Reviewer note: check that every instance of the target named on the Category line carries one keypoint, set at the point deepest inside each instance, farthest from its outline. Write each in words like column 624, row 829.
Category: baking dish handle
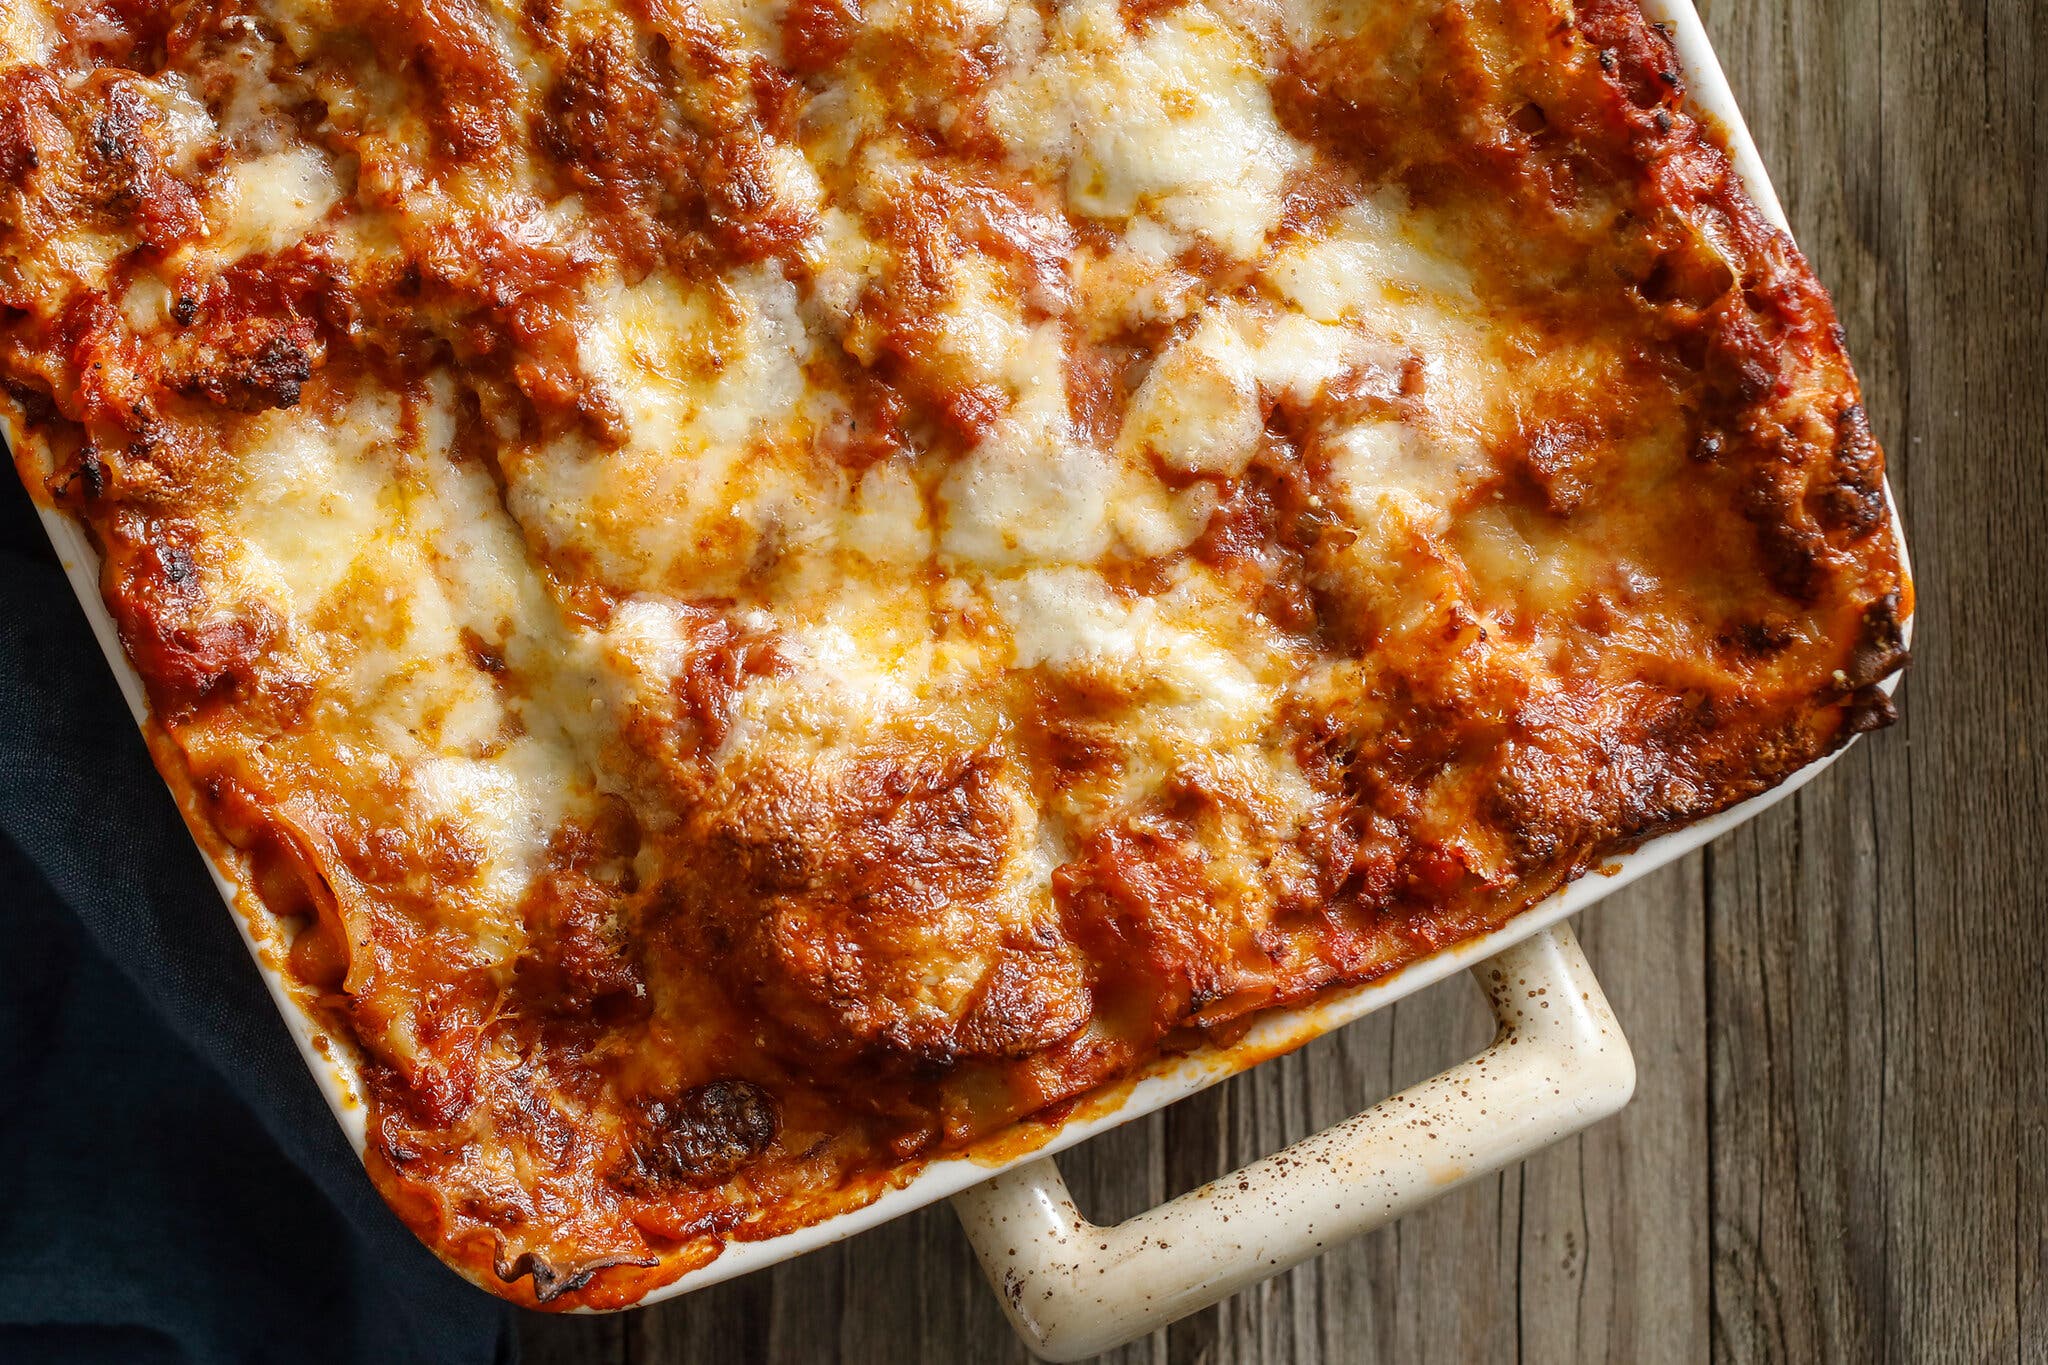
column 1558, row 1064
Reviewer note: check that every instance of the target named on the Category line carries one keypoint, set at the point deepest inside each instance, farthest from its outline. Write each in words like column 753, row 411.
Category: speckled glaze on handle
column 1558, row 1064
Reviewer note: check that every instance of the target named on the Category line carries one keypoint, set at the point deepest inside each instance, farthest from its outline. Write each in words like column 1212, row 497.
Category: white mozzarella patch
column 1379, row 466
column 981, row 13
column 850, row 672
column 1377, row 256
column 843, row 260
column 1508, row 556
column 1136, row 279
column 146, row 303
column 1060, row 616
column 648, row 637
column 508, row 804
column 387, row 559
column 709, row 382
column 636, row 661
column 887, row 523
column 274, row 201
column 1029, row 492
column 983, row 338
column 1384, row 271
column 1198, row 409
column 1068, row 619
column 796, row 183
column 683, row 360
column 1176, row 122
column 187, row 131
column 858, row 662
column 1295, row 357
column 315, row 497
column 1201, row 411
column 1153, row 520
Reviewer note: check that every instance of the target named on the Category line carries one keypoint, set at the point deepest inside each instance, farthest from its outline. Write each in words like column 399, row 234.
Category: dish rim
column 330, row 1057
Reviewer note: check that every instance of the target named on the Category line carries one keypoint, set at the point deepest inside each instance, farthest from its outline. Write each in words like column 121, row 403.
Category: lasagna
column 756, row 591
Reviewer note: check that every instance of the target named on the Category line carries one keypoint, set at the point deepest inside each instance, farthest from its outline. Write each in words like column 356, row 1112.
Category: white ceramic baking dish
column 1559, row 1062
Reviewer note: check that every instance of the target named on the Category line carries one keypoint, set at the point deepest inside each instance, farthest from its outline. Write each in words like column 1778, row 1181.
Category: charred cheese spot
column 704, row 1136
column 909, row 925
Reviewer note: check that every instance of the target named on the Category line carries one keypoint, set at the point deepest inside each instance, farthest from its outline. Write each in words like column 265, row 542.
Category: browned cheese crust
column 762, row 591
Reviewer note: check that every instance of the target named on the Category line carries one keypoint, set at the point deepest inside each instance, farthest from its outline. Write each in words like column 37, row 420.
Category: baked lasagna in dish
column 756, row 591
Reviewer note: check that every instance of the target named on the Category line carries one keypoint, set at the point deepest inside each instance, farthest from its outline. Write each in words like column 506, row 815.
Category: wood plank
column 1614, row 1224
column 1877, row 1123
column 545, row 1339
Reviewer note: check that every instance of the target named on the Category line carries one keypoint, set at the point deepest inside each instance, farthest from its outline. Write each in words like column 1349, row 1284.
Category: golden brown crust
column 759, row 607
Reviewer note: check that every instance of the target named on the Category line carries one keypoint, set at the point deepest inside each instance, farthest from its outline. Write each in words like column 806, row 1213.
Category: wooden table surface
column 1839, row 1146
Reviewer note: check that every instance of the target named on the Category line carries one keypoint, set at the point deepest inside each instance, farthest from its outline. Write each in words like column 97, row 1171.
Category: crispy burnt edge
column 1641, row 65
column 274, row 910
column 1776, row 302
column 270, row 932
column 1685, row 154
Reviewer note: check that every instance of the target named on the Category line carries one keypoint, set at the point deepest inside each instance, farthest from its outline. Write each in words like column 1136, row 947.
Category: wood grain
column 1876, row 1029
column 1838, row 1147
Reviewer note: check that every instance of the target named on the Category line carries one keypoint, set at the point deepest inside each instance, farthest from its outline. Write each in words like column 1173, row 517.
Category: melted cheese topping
column 763, row 589
column 1172, row 121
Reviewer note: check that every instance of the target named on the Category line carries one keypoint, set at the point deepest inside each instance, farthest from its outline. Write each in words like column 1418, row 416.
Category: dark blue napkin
column 172, row 1186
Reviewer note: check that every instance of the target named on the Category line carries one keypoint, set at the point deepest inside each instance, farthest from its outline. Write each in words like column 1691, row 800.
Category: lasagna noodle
column 761, row 591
